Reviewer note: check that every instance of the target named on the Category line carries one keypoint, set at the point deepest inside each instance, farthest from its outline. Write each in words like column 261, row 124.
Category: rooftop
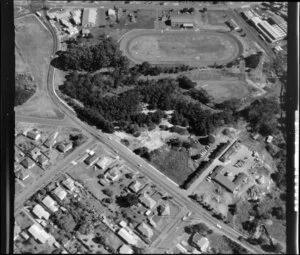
column 145, row 230
column 50, row 204
column 40, row 212
column 60, row 193
column 38, row 233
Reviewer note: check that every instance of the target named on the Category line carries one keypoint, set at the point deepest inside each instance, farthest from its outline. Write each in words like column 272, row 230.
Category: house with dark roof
column 164, row 209
column 51, row 141
column 27, row 163
column 23, row 174
column 135, row 186
column 34, row 135
column 240, row 178
column 92, row 159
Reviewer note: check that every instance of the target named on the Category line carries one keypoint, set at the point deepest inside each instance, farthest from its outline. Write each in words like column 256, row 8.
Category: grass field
column 173, row 163
column 35, row 44
column 224, row 90
column 200, row 48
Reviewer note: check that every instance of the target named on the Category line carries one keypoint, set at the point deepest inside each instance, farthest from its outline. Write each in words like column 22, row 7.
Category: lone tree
column 127, row 201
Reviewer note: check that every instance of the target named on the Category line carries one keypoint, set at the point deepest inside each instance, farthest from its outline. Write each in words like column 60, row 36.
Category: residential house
column 147, row 201
column 181, row 249
column 92, row 159
column 27, row 163
column 200, row 242
column 51, row 141
column 24, row 235
column 39, row 233
column 104, row 162
column 42, row 159
column 125, row 249
column 34, row 153
column 128, row 237
column 269, row 139
column 18, row 154
column 17, row 231
column 69, row 184
column 23, row 174
column 60, row 193
column 156, row 221
column 34, row 135
column 40, row 212
column 145, row 230
column 135, row 186
column 240, row 178
column 112, row 174
column 164, row 209
column 50, row 204
column 65, row 147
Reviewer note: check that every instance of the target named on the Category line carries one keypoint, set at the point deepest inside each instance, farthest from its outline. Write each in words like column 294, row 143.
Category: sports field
column 197, row 48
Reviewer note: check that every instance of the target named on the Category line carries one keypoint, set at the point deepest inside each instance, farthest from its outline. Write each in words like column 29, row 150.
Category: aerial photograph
column 150, row 127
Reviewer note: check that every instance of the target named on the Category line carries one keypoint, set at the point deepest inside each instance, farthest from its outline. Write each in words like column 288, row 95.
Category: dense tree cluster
column 219, row 150
column 200, row 228
column 194, row 175
column 128, row 200
column 24, row 88
column 200, row 95
column 147, row 69
column 253, row 60
column 261, row 115
column 105, row 53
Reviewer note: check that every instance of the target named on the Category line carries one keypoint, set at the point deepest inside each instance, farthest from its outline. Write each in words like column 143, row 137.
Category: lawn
column 218, row 242
column 185, row 47
column 216, row 17
column 224, row 90
column 173, row 163
column 35, row 45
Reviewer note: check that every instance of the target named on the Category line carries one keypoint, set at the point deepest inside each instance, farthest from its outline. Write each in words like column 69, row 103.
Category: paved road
column 44, row 121
column 131, row 159
column 61, row 168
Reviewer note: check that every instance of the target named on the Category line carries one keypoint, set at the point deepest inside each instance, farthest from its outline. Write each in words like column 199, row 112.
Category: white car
column 219, row 226
column 109, row 138
column 139, row 165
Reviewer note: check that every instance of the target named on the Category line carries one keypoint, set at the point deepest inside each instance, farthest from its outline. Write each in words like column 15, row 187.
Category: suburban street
column 131, row 159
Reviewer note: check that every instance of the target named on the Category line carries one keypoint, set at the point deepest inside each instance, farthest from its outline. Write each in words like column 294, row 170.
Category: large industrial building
column 89, row 17
column 272, row 32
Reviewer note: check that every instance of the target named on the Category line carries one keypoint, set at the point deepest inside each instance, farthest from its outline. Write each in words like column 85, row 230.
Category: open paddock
column 224, row 90
column 35, row 44
column 195, row 48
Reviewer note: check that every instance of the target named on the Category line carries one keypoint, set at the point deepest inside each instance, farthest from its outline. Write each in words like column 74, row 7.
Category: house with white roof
column 69, row 184
column 50, row 204
column 147, row 201
column 40, row 212
column 129, row 238
column 39, row 233
column 60, row 193
column 125, row 249
column 135, row 186
column 145, row 230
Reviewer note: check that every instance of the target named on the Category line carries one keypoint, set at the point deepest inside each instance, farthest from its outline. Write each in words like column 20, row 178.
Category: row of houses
column 273, row 30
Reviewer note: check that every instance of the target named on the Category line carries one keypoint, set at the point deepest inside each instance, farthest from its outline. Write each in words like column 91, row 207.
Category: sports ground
column 196, row 48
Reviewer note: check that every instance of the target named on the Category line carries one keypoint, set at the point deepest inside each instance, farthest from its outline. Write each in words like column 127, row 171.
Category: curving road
column 133, row 160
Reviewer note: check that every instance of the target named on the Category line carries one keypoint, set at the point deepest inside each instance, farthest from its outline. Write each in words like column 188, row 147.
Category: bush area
column 147, row 69
column 24, row 88
column 253, row 60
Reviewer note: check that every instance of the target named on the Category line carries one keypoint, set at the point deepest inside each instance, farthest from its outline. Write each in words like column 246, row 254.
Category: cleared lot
column 35, row 46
